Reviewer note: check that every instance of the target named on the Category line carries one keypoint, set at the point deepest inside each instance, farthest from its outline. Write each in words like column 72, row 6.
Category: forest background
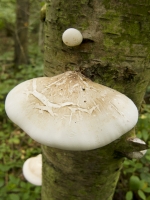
column 15, row 145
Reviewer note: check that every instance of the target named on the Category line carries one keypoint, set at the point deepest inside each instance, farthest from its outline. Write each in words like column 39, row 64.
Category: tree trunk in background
column 115, row 52
column 21, row 33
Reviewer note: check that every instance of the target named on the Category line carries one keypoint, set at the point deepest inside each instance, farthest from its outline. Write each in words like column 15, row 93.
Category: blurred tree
column 43, row 13
column 115, row 52
column 21, row 32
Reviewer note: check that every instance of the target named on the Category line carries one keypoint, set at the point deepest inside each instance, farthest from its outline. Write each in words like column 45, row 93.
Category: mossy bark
column 115, row 52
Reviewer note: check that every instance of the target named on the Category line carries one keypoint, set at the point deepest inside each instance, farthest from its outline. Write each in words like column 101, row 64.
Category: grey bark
column 115, row 52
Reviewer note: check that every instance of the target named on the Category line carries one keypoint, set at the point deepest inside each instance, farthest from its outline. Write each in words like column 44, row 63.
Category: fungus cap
column 32, row 170
column 72, row 37
column 137, row 154
column 70, row 112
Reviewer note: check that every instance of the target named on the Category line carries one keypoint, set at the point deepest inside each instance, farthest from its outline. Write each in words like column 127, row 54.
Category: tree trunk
column 21, row 33
column 114, row 52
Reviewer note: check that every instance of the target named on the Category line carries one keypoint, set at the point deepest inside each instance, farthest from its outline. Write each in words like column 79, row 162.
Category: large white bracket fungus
column 32, row 170
column 72, row 37
column 70, row 112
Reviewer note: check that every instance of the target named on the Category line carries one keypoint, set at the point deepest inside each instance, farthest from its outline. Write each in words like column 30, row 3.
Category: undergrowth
column 134, row 182
column 16, row 146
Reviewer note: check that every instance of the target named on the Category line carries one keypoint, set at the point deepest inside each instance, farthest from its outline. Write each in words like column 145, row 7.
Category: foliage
column 7, row 12
column 15, row 145
column 134, row 182
column 8, row 15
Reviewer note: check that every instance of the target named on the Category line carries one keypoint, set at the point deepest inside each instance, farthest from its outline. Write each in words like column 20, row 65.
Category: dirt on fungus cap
column 70, row 112
column 32, row 170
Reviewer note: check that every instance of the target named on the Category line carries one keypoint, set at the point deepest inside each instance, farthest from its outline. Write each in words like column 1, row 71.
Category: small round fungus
column 70, row 112
column 32, row 170
column 72, row 37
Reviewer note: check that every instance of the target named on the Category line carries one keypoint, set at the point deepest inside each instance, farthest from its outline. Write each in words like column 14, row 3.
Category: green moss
column 85, row 25
column 108, row 43
column 84, row 1
column 122, row 32
column 70, row 14
column 144, row 2
column 111, row 14
column 132, row 29
column 113, row 25
column 129, row 24
column 124, row 44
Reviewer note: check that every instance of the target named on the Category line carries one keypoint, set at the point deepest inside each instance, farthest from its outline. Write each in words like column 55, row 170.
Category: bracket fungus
column 70, row 112
column 137, row 154
column 72, row 37
column 32, row 170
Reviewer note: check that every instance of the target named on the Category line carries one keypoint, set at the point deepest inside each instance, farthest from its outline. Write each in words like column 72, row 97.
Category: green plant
column 7, row 14
column 134, row 181
column 15, row 145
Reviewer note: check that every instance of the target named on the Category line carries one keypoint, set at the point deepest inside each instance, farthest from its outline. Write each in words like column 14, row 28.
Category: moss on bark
column 114, row 52
column 80, row 175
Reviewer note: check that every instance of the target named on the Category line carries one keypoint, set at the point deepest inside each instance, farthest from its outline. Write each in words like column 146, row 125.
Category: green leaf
column 138, row 165
column 141, row 194
column 14, row 179
column 129, row 162
column 14, row 197
column 145, row 176
column 14, row 140
column 147, row 190
column 144, row 170
column 145, row 135
column 143, row 185
column 134, row 183
column 4, row 168
column 1, row 182
column 26, row 196
column 129, row 195
column 23, row 184
column 129, row 170
column 147, row 157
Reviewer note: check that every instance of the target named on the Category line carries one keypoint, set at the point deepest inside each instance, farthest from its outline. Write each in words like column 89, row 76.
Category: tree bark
column 115, row 52
column 21, row 33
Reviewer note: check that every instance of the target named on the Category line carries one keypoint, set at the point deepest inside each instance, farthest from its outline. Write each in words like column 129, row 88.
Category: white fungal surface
column 140, row 154
column 32, row 170
column 72, row 37
column 70, row 112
